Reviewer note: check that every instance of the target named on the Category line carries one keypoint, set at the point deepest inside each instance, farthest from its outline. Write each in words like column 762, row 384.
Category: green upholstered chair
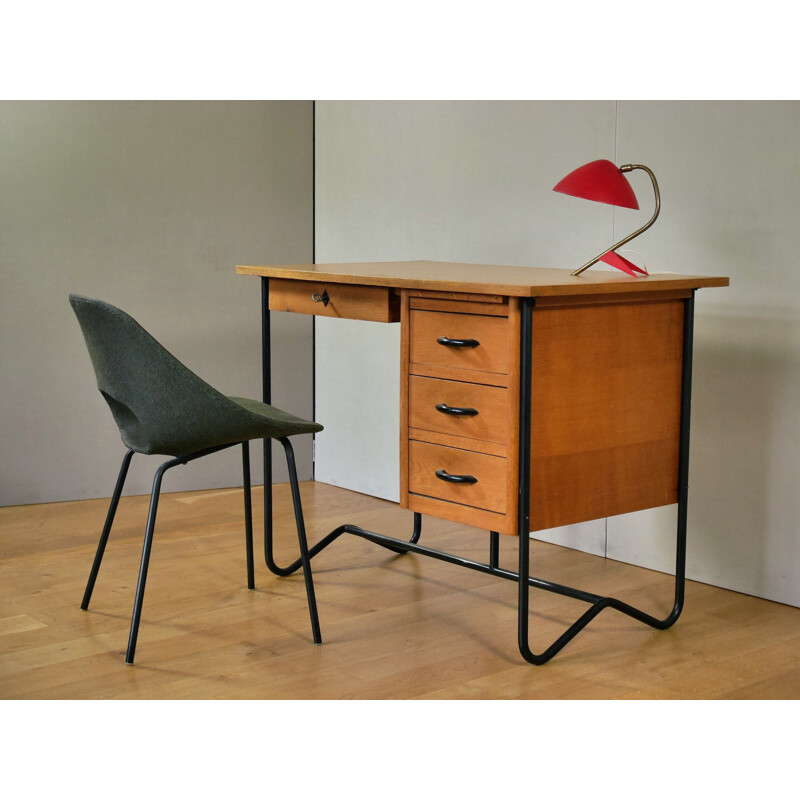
column 162, row 407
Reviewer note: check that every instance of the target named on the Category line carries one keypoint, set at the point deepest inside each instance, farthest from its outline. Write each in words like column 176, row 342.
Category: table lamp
column 604, row 182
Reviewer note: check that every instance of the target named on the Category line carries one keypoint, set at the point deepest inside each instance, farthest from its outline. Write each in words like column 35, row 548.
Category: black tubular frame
column 523, row 577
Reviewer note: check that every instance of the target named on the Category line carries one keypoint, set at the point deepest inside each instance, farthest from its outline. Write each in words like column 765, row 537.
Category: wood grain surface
column 605, row 414
column 492, row 279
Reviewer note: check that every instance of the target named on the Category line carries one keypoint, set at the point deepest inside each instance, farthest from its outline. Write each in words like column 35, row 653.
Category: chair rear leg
column 101, row 547
column 248, row 515
column 301, row 535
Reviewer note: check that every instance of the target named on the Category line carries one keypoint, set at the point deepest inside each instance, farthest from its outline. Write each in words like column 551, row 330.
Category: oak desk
column 530, row 399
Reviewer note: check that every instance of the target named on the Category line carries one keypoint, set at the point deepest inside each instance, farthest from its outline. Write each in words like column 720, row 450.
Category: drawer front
column 488, row 491
column 448, row 340
column 347, row 301
column 448, row 406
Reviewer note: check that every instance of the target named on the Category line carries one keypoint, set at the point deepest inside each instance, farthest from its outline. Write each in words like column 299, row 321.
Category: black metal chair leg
column 301, row 535
column 101, row 547
column 148, row 543
column 148, row 540
column 248, row 515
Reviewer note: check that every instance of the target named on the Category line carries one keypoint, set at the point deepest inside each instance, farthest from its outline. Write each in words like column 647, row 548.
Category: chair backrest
column 159, row 405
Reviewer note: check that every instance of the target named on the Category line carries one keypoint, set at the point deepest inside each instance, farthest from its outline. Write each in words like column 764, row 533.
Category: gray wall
column 730, row 177
column 149, row 205
column 471, row 181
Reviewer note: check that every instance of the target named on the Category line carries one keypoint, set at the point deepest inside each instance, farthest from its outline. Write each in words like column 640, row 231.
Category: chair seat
column 231, row 420
column 274, row 423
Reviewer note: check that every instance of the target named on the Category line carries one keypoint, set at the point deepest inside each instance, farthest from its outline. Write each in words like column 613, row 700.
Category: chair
column 160, row 406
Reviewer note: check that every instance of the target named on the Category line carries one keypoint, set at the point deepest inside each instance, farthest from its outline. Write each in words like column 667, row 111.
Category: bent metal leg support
column 266, row 396
column 598, row 603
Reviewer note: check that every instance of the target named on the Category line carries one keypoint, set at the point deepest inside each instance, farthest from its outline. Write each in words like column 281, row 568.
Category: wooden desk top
column 445, row 276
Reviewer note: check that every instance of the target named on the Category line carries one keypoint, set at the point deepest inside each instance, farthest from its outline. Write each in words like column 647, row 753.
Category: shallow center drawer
column 461, row 341
column 462, row 409
column 487, row 490
column 343, row 300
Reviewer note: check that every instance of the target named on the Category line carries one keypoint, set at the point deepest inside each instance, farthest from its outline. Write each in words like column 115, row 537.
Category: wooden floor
column 393, row 626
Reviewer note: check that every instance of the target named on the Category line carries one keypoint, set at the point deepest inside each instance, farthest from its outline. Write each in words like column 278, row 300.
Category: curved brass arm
column 629, row 168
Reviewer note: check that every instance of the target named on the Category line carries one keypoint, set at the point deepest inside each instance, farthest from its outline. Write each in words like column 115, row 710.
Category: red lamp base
column 619, row 262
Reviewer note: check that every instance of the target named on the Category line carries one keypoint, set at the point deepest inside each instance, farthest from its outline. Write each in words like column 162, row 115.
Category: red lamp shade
column 601, row 181
column 606, row 183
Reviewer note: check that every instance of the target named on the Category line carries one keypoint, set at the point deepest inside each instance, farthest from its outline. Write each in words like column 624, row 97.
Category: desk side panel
column 605, row 416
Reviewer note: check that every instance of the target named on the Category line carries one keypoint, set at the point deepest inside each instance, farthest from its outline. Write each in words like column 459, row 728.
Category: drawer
column 448, row 406
column 459, row 341
column 347, row 301
column 488, row 491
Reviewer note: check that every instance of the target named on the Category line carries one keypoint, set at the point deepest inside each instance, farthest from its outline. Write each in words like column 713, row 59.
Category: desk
column 530, row 399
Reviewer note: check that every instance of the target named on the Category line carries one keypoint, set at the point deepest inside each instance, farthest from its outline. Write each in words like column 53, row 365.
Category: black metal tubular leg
column 248, row 515
column 601, row 603
column 148, row 544
column 301, row 535
column 417, row 528
column 494, row 549
column 683, row 459
column 148, row 541
column 524, row 497
column 524, row 520
column 266, row 397
column 101, row 546
column 524, row 517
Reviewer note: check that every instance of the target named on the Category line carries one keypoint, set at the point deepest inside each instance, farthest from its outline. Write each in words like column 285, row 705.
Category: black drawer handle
column 323, row 298
column 442, row 475
column 456, row 411
column 448, row 342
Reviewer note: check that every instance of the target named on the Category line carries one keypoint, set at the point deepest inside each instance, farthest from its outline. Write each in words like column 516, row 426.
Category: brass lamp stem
column 629, row 168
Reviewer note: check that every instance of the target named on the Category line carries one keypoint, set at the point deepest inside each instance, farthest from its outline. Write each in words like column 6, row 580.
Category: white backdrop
column 471, row 181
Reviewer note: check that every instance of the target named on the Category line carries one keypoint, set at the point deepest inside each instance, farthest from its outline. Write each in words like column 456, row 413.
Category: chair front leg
column 301, row 535
column 101, row 547
column 148, row 540
column 148, row 544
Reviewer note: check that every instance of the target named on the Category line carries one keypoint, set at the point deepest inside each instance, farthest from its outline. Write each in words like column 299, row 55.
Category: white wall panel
column 730, row 180
column 471, row 182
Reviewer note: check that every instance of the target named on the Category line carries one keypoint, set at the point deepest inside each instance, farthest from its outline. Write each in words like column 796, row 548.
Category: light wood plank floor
column 393, row 626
